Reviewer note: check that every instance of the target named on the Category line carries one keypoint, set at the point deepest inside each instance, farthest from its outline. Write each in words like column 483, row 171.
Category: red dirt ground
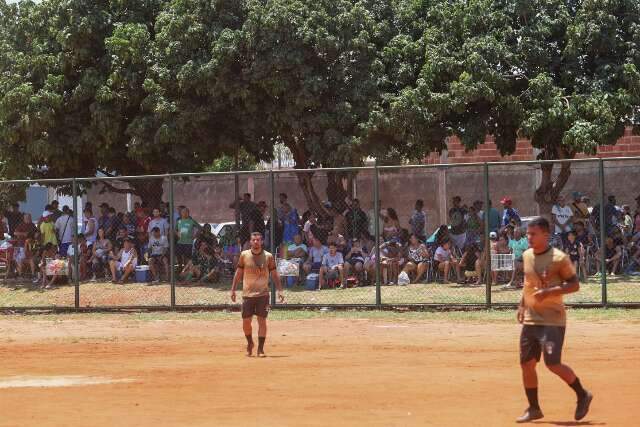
column 320, row 373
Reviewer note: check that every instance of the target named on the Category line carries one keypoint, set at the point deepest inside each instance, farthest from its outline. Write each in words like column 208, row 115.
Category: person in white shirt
column 562, row 218
column 332, row 266
column 158, row 248
column 89, row 227
column 125, row 262
column 64, row 230
column 157, row 221
column 446, row 260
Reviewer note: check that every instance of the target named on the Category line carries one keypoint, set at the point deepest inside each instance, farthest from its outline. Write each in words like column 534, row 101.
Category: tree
column 562, row 73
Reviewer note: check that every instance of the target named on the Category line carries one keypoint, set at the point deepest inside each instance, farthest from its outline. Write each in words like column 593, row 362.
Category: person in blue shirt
column 510, row 215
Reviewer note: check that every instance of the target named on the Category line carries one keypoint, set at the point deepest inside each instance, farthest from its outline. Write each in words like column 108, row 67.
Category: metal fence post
column 172, row 243
column 603, row 236
column 376, row 231
column 272, row 230
column 487, row 243
column 76, row 260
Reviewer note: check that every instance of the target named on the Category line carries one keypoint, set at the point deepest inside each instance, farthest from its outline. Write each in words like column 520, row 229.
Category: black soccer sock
column 249, row 339
column 532, row 396
column 577, row 387
column 261, row 343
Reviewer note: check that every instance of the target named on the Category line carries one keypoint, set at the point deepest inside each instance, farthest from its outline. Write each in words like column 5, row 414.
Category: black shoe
column 250, row 349
column 531, row 414
column 582, row 409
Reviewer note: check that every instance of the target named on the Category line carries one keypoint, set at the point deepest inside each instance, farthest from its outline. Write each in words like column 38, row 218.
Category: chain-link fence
column 371, row 236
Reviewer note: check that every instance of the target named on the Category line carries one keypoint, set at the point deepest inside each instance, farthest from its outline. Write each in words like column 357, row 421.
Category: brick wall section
column 627, row 146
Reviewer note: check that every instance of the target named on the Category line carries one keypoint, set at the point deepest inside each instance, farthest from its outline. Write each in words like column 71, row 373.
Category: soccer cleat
column 531, row 414
column 250, row 349
column 582, row 408
column 261, row 353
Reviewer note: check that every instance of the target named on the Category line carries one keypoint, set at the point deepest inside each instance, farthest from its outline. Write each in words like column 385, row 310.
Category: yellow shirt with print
column 546, row 270
column 255, row 279
column 48, row 231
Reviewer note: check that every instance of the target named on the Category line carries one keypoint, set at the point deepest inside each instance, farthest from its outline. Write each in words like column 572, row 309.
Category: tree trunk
column 549, row 189
column 150, row 191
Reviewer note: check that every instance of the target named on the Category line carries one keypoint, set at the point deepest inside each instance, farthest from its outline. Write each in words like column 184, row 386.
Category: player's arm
column 275, row 276
column 570, row 283
column 237, row 277
column 520, row 315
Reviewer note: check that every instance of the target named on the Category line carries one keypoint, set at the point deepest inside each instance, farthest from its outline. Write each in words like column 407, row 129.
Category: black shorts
column 184, row 250
column 258, row 306
column 534, row 339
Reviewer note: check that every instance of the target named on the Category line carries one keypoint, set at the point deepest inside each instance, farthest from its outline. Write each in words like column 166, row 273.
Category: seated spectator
column 158, row 254
column 502, row 246
column 474, row 223
column 119, row 240
column 128, row 224
column 204, row 235
column 390, row 261
column 445, row 260
column 417, row 258
column 99, row 259
column 202, row 266
column 355, row 259
column 83, row 259
column 442, row 235
column 518, row 244
column 471, row 264
column 332, row 267
column 288, row 218
column 49, row 253
column 297, row 250
column 142, row 244
column 612, row 254
column 458, row 231
column 89, row 226
column 311, row 222
column 390, row 225
column 572, row 248
column 314, row 260
column 580, row 209
column 125, row 262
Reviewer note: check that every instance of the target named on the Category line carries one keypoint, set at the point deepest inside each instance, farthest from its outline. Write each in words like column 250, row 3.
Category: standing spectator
column 510, row 215
column 371, row 214
column 245, row 208
column 64, row 230
column 158, row 250
column 288, row 217
column 357, row 220
column 458, row 232
column 610, row 214
column 48, row 230
column 128, row 224
column 185, row 232
column 25, row 232
column 339, row 224
column 332, row 267
column 418, row 221
column 89, row 226
column 390, row 225
column 124, row 263
column 636, row 221
column 474, row 223
column 55, row 211
column 562, row 218
column 493, row 218
column 518, row 245
column 83, row 259
column 627, row 221
column 142, row 220
column 103, row 219
column 580, row 209
column 14, row 218
column 160, row 222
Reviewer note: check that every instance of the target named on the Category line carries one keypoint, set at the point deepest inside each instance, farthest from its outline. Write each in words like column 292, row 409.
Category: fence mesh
column 143, row 241
column 622, row 225
column 37, row 228
column 117, row 243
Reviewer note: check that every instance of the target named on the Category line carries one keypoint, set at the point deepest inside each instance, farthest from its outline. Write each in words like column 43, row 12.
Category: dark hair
column 392, row 213
column 247, row 194
column 154, row 229
column 283, row 194
column 419, row 202
column 539, row 222
column 47, row 207
column 256, row 233
column 334, row 244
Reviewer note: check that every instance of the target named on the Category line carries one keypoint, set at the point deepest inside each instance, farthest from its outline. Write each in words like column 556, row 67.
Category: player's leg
column 529, row 356
column 262, row 311
column 248, row 309
column 552, row 344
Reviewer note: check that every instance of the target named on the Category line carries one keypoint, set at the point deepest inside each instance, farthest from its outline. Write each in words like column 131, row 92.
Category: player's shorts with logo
column 542, row 339
column 258, row 306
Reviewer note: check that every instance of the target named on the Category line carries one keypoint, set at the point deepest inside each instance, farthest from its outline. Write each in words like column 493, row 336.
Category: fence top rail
column 311, row 170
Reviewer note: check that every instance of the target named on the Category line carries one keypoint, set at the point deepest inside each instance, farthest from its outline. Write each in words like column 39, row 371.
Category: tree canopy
column 155, row 86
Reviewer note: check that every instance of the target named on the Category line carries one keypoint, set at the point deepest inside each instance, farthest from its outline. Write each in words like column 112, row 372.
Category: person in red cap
column 510, row 215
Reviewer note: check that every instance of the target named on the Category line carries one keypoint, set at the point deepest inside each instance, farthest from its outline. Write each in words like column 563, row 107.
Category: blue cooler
column 143, row 274
column 291, row 281
column 311, row 282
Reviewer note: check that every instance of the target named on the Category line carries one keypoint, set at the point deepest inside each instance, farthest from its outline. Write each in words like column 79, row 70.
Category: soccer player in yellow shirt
column 255, row 266
column 548, row 275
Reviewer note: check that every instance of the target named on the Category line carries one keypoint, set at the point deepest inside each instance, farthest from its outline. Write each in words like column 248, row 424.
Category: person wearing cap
column 48, row 230
column 510, row 215
column 125, row 262
column 579, row 208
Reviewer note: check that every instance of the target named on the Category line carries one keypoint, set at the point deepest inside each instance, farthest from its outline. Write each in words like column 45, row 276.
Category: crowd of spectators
column 336, row 241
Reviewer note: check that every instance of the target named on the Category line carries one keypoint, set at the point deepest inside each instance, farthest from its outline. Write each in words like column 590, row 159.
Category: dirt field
column 177, row 370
